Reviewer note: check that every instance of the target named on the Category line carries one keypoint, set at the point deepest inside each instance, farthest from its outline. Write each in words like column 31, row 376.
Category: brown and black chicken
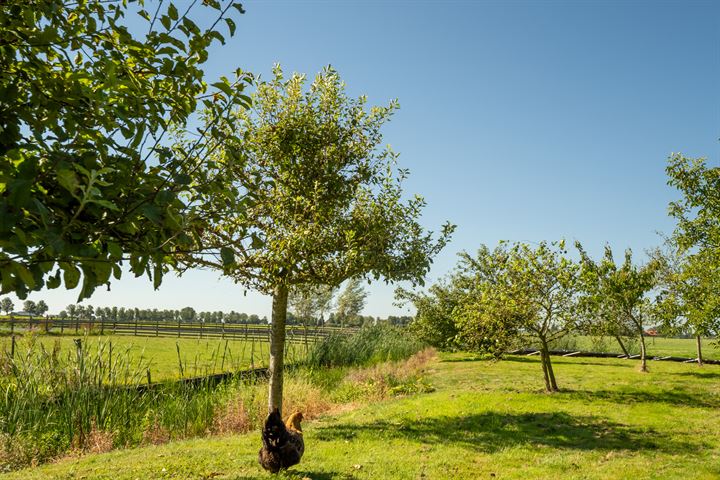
column 283, row 444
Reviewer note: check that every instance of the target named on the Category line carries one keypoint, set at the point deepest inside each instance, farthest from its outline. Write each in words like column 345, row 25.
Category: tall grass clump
column 370, row 345
column 89, row 400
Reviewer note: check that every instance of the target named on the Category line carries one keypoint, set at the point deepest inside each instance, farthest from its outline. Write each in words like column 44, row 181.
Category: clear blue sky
column 519, row 120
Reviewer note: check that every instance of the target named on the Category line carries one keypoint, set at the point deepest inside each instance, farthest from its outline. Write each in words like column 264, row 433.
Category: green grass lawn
column 484, row 420
column 199, row 356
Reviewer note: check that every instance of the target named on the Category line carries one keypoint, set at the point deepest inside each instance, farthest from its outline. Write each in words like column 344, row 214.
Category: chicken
column 283, row 444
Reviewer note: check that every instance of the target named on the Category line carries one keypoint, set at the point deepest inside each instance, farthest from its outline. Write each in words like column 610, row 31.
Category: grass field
column 160, row 355
column 656, row 346
column 484, row 420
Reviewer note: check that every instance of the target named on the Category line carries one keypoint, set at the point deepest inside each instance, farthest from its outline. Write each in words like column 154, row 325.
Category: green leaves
column 84, row 100
column 314, row 198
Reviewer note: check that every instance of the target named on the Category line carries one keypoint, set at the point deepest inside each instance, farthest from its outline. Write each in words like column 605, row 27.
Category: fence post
column 157, row 327
column 136, row 325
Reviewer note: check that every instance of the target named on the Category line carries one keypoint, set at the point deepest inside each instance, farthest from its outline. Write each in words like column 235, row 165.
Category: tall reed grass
column 370, row 345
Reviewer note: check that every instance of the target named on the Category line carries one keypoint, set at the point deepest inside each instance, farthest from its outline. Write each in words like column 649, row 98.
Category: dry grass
column 155, row 434
column 246, row 409
column 233, row 417
column 98, row 441
column 392, row 378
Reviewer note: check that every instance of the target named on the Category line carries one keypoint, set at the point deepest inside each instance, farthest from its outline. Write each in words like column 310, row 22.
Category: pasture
column 166, row 358
column 483, row 420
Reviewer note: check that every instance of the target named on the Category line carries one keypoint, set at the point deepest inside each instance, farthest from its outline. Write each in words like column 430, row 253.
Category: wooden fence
column 164, row 328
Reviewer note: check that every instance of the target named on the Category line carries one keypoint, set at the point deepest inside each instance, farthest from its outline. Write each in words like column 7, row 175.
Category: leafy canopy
column 322, row 201
column 85, row 181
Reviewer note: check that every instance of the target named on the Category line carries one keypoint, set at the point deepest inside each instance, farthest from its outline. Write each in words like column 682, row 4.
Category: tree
column 309, row 303
column 620, row 294
column 351, row 302
column 433, row 322
column 7, row 305
column 29, row 306
column 518, row 291
column 86, row 105
column 690, row 293
column 322, row 202
column 187, row 314
column 41, row 308
column 698, row 212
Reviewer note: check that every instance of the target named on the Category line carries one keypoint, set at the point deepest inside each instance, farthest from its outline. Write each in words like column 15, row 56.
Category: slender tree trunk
column 698, row 341
column 543, row 362
column 550, row 382
column 622, row 346
column 277, row 347
column 643, row 356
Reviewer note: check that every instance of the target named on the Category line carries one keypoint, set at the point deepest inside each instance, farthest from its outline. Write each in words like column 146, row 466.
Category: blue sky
column 523, row 121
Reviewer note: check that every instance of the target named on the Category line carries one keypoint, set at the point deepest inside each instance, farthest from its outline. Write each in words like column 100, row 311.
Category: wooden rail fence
column 163, row 328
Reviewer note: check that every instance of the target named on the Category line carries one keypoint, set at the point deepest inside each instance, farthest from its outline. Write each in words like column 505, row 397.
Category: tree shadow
column 624, row 397
column 297, row 475
column 565, row 360
column 494, row 431
column 699, row 374
column 466, row 359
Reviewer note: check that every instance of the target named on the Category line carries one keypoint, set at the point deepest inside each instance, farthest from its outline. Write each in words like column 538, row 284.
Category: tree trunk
column 698, row 341
column 622, row 345
column 643, row 356
column 277, row 347
column 543, row 362
column 550, row 382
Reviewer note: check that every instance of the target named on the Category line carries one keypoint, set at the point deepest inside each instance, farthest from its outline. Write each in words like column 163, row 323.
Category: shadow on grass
column 631, row 363
column 494, row 431
column 624, row 397
column 295, row 475
column 467, row 359
column 703, row 374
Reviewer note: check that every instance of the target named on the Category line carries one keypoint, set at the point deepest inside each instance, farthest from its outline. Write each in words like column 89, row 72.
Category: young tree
column 323, row 203
column 690, row 293
column 7, row 305
column 517, row 290
column 87, row 99
column 351, row 301
column 620, row 294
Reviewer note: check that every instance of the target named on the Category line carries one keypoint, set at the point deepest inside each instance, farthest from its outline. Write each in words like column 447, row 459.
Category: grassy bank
column 85, row 398
column 483, row 420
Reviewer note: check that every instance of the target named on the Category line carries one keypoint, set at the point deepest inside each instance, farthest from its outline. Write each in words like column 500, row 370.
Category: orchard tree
column 621, row 294
column 322, row 202
column 351, row 301
column 85, row 179
column 519, row 291
column 434, row 322
column 698, row 211
column 7, row 305
column 690, row 293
